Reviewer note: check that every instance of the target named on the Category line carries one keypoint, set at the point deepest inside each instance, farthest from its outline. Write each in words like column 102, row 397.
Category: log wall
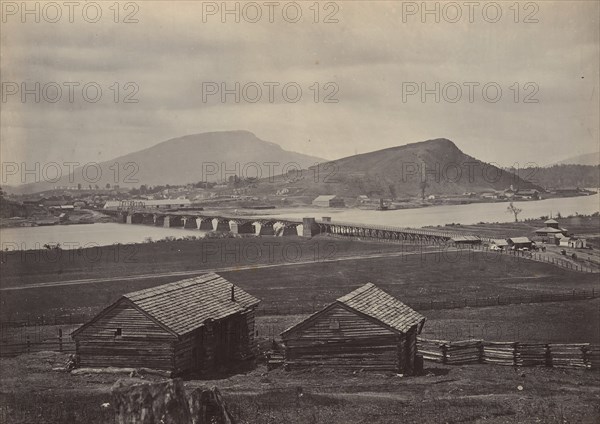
column 339, row 338
column 142, row 342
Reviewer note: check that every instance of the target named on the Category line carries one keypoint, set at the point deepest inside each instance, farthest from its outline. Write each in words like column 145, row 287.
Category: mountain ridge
column 187, row 159
column 216, row 156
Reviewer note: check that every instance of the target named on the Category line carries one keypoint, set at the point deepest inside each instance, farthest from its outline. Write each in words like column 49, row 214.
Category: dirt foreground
column 32, row 392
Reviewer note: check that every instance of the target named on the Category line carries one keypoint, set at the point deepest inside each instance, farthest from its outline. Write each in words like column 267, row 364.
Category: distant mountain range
column 400, row 171
column 211, row 157
column 216, row 156
column 592, row 159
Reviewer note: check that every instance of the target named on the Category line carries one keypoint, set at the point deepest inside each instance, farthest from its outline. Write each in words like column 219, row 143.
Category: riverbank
column 80, row 216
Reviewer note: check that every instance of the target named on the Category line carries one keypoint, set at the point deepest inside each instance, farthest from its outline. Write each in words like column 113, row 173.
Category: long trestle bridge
column 262, row 225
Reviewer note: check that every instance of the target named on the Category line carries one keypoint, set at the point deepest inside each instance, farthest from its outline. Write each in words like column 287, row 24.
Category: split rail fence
column 572, row 355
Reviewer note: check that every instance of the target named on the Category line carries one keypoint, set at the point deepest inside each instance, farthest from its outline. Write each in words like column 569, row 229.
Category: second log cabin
column 365, row 329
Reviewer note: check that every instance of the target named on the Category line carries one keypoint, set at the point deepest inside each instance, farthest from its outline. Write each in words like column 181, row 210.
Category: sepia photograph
column 299, row 212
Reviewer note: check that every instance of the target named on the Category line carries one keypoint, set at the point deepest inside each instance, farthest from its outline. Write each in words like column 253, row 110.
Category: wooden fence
column 573, row 265
column 18, row 340
column 573, row 355
column 15, row 349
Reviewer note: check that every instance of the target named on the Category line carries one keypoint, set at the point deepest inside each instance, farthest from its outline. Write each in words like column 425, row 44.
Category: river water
column 86, row 235
column 459, row 214
column 90, row 235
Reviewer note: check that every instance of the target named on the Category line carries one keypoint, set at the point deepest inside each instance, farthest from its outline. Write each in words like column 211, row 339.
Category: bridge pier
column 204, row 224
column 135, row 218
column 283, row 229
column 242, row 227
column 310, row 227
column 189, row 222
column 265, row 228
column 159, row 220
column 172, row 221
column 220, row 224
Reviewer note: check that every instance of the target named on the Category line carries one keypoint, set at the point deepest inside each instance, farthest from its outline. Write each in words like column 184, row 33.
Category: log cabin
column 365, row 329
column 196, row 325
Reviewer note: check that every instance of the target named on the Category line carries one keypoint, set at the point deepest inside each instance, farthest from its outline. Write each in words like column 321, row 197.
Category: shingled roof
column 185, row 305
column 375, row 303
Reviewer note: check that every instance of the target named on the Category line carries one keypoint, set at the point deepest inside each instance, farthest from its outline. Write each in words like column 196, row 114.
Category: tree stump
column 167, row 403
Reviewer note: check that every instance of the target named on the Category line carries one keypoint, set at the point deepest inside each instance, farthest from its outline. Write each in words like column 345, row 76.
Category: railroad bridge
column 207, row 222
column 378, row 232
column 266, row 226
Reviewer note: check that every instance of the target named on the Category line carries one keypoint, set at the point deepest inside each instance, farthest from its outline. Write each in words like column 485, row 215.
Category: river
column 89, row 235
column 459, row 214
column 86, row 235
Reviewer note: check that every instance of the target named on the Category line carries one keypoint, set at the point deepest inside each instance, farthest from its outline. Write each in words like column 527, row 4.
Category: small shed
column 465, row 240
column 193, row 325
column 577, row 243
column 329, row 201
column 520, row 242
column 501, row 243
column 365, row 329
column 564, row 241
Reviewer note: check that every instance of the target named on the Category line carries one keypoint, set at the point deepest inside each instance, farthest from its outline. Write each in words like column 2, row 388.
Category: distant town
column 80, row 205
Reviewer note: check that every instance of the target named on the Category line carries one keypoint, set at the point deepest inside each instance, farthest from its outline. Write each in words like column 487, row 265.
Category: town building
column 520, row 242
column 365, row 329
column 528, row 194
column 501, row 243
column 148, row 204
column 329, row 201
column 465, row 240
column 550, row 231
column 195, row 325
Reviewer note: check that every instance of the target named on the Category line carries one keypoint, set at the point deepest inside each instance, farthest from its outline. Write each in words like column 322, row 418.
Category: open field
column 413, row 276
column 32, row 392
column 39, row 266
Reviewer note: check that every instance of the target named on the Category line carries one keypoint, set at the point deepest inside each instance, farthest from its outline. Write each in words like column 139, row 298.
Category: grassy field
column 414, row 276
column 33, row 393
column 39, row 266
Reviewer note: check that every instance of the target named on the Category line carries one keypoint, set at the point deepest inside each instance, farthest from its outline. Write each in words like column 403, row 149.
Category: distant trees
column 514, row 210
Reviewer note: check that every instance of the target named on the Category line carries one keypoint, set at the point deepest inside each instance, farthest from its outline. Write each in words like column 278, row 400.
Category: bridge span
column 261, row 225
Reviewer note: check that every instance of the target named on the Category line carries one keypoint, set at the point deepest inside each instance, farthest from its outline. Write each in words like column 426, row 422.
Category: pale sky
column 370, row 56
